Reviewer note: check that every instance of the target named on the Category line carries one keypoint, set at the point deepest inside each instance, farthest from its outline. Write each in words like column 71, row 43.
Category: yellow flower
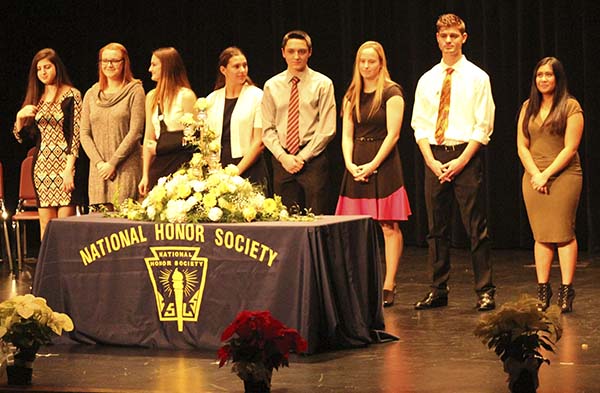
column 214, row 147
column 201, row 104
column 183, row 190
column 223, row 188
column 270, row 206
column 231, row 170
column 187, row 119
column 249, row 213
column 196, row 159
column 157, row 194
column 209, row 200
column 224, row 204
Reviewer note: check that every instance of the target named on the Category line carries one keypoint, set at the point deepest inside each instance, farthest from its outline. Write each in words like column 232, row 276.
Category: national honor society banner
column 177, row 272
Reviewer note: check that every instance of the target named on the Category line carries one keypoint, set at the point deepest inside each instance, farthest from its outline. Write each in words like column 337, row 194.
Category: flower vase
column 21, row 371
column 522, row 375
column 252, row 386
column 259, row 382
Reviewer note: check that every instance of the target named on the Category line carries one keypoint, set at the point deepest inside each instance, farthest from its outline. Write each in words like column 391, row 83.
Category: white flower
column 190, row 203
column 257, row 201
column 215, row 214
column 151, row 212
column 198, row 185
column 176, row 211
column 283, row 214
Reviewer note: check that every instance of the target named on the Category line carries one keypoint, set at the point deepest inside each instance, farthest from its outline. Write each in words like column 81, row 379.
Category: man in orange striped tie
column 453, row 116
column 299, row 120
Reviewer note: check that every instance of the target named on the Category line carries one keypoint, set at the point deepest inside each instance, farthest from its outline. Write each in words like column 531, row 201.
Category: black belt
column 460, row 146
column 367, row 139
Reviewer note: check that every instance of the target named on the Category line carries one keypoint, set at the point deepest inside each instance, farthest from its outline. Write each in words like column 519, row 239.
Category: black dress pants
column 467, row 190
column 308, row 188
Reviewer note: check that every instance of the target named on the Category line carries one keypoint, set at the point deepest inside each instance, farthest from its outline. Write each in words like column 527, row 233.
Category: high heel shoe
column 566, row 294
column 388, row 297
column 544, row 294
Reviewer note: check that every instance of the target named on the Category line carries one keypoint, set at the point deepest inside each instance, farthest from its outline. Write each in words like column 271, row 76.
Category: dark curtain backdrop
column 506, row 38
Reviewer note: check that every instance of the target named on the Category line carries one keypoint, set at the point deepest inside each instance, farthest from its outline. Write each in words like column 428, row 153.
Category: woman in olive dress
column 550, row 127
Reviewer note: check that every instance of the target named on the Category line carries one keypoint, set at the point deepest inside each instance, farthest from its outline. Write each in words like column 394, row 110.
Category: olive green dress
column 552, row 215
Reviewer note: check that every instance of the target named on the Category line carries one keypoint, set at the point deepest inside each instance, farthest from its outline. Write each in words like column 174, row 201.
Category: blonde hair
column 173, row 77
column 356, row 86
column 127, row 75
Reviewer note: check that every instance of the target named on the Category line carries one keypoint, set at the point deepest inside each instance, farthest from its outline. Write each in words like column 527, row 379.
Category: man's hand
column 451, row 169
column 292, row 164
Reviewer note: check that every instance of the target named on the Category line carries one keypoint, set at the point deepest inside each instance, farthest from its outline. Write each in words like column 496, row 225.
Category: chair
column 26, row 209
column 4, row 216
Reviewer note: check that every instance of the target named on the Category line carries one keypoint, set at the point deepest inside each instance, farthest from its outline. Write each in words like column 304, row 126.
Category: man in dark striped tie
column 299, row 120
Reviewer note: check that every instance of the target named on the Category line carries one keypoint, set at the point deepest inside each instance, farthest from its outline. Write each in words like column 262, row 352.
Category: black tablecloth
column 179, row 285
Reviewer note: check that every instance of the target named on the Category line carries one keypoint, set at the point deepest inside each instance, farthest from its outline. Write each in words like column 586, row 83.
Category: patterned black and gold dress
column 56, row 130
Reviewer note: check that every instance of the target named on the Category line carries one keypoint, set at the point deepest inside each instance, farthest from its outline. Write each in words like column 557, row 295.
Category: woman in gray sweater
column 112, row 124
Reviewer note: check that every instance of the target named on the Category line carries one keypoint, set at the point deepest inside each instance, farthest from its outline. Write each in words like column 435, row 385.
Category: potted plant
column 27, row 323
column 517, row 332
column 256, row 343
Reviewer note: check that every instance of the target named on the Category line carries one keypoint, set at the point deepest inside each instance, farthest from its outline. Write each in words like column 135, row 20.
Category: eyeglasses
column 110, row 61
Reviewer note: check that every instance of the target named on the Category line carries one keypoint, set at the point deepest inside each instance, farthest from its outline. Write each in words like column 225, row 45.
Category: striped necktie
column 292, row 142
column 442, row 119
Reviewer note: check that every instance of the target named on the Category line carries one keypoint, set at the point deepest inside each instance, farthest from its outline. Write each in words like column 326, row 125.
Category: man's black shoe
column 486, row 302
column 432, row 301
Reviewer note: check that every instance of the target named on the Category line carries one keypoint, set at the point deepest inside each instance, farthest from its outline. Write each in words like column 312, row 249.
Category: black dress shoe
column 432, row 300
column 388, row 297
column 486, row 302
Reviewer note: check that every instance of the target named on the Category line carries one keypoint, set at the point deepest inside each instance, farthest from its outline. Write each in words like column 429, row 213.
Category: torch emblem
column 178, row 276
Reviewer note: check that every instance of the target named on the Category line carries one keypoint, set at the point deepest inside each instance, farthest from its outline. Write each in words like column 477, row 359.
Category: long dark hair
column 35, row 87
column 224, row 58
column 557, row 118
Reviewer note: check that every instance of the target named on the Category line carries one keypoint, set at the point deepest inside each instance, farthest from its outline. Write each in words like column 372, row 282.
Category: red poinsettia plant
column 256, row 343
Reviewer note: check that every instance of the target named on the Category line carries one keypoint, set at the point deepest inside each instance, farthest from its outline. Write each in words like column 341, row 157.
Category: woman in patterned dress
column 50, row 114
column 373, row 183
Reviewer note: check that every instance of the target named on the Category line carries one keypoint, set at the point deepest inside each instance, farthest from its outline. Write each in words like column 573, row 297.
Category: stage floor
column 437, row 351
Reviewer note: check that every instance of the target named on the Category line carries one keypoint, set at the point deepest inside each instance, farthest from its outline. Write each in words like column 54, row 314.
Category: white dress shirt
column 472, row 106
column 317, row 113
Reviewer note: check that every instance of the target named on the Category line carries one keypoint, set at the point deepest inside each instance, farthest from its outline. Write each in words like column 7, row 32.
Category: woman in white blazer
column 234, row 114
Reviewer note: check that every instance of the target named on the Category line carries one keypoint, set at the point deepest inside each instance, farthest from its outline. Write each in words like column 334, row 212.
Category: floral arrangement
column 194, row 194
column 203, row 191
column 257, row 343
column 27, row 322
column 516, row 332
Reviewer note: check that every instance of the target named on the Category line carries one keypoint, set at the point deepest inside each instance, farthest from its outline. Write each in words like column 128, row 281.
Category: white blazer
column 246, row 116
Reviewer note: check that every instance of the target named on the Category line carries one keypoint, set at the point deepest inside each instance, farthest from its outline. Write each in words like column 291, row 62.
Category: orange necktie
column 442, row 119
column 292, row 142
